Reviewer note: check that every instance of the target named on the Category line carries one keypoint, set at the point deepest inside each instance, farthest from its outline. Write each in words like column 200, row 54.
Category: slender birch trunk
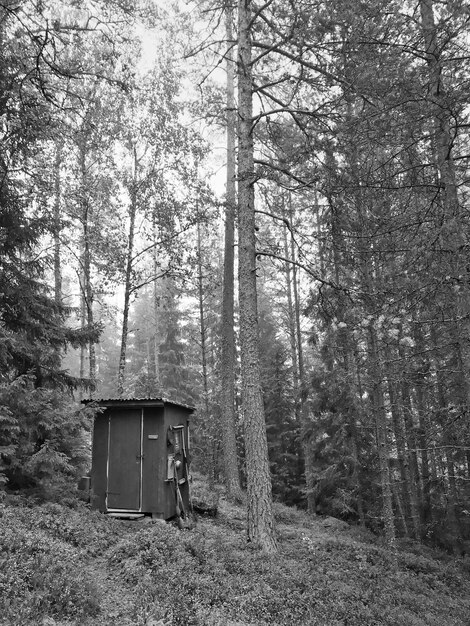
column 156, row 382
column 86, row 288
column 128, row 278
column 57, row 225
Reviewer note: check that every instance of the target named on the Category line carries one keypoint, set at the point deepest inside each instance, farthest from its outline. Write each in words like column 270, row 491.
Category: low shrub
column 152, row 573
column 40, row 576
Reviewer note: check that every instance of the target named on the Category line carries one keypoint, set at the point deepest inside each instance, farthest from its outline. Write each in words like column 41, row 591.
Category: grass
column 72, row 566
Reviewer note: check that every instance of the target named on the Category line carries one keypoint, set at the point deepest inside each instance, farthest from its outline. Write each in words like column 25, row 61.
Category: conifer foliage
column 41, row 433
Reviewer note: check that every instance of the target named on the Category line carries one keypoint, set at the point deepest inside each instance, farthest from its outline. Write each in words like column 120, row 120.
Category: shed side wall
column 176, row 416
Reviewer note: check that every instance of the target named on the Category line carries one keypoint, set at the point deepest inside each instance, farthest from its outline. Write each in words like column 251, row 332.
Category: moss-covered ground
column 73, row 566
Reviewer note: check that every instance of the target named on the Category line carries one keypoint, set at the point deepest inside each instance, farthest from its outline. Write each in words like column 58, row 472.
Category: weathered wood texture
column 133, row 448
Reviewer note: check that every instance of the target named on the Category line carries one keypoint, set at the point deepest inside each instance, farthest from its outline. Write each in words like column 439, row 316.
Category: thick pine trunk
column 260, row 520
column 228, row 355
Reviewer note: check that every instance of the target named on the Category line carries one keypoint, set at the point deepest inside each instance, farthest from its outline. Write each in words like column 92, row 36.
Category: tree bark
column 260, row 520
column 205, row 417
column 410, row 435
column 348, row 352
column 453, row 240
column 306, row 442
column 57, row 225
column 128, row 279
column 446, row 465
column 298, row 369
column 410, row 499
column 228, row 354
column 299, row 404
column 156, row 382
column 87, row 295
column 382, row 441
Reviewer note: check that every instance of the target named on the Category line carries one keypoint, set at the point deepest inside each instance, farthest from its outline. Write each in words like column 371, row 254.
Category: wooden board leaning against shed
column 140, row 457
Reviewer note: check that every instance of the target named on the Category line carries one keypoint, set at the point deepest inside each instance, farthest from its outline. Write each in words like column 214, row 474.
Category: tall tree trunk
column 401, row 510
column 306, row 440
column 410, row 434
column 297, row 390
column 382, row 440
column 410, row 499
column 366, row 256
column 260, row 520
column 228, row 354
column 156, row 383
column 57, row 225
column 424, row 425
column 87, row 295
column 369, row 278
column 81, row 281
column 453, row 240
column 205, row 417
column 298, row 369
column 446, row 464
column 128, row 279
column 345, row 345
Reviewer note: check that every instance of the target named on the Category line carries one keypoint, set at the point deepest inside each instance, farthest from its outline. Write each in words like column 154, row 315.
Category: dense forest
column 260, row 210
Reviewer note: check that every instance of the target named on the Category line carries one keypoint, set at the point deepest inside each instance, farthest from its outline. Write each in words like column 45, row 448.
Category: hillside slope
column 72, row 566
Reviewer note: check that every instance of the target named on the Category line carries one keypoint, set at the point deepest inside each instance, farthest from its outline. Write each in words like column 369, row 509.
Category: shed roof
column 141, row 402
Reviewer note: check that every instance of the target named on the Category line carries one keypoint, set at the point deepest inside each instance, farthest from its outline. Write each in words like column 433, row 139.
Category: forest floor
column 72, row 566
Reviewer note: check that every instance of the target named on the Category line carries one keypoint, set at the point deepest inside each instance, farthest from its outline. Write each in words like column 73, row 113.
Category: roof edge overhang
column 137, row 402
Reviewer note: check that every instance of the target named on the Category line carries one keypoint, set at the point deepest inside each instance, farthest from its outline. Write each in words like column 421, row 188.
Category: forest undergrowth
column 67, row 565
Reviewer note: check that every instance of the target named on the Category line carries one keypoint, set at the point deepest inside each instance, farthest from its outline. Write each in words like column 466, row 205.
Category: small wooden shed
column 140, row 457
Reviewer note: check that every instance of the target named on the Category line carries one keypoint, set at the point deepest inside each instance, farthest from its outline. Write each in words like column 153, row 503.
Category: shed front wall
column 154, row 459
column 125, row 461
column 130, row 459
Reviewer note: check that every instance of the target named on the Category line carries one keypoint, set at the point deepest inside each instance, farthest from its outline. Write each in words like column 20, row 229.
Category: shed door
column 125, row 460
